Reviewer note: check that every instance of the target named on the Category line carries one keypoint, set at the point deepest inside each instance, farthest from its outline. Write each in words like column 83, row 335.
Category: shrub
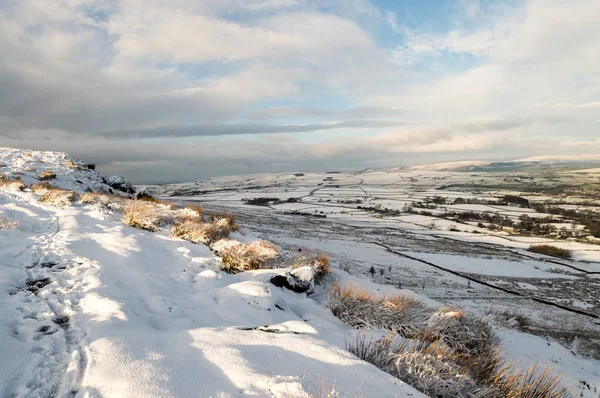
column 8, row 224
column 319, row 262
column 244, row 257
column 58, row 197
column 550, row 251
column 46, row 175
column 12, row 184
column 142, row 215
column 41, row 187
column 360, row 308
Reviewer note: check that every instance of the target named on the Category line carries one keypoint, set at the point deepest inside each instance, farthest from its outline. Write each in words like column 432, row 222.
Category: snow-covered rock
column 299, row 280
column 71, row 173
column 144, row 193
column 120, row 183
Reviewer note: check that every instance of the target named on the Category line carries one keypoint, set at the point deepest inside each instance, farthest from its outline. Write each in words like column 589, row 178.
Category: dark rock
column 299, row 280
column 120, row 183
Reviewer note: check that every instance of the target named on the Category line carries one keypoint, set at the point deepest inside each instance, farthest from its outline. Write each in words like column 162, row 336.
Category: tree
column 372, row 270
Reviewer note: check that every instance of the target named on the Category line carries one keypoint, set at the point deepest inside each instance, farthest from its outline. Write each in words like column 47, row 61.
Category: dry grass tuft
column 318, row 261
column 104, row 199
column 46, row 175
column 12, row 184
column 224, row 218
column 142, row 215
column 8, row 224
column 512, row 382
column 360, row 308
column 72, row 165
column 195, row 230
column 436, row 369
column 58, row 197
column 550, row 250
column 244, row 257
column 223, row 244
column 41, row 187
column 196, row 209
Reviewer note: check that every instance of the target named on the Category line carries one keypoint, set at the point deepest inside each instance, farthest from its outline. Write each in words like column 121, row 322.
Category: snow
column 71, row 173
column 90, row 307
column 131, row 313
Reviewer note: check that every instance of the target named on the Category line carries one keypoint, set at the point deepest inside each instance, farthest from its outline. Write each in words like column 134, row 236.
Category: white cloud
column 75, row 72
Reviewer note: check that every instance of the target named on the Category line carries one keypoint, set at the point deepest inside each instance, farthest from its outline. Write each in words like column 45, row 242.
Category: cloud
column 392, row 21
column 240, row 129
column 569, row 105
column 186, row 89
column 366, row 112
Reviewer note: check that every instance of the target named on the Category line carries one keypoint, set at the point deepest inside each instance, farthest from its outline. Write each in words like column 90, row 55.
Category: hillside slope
column 91, row 307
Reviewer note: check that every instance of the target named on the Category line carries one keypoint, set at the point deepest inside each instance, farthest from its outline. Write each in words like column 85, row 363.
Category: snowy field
column 487, row 272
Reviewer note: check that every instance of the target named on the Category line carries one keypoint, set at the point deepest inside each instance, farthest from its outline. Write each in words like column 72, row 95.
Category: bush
column 12, row 184
column 551, row 251
column 142, row 215
column 360, row 308
column 245, row 257
column 319, row 262
column 46, row 175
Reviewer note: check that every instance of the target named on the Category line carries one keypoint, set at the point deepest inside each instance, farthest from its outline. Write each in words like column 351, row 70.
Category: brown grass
column 8, row 224
column 46, row 175
column 104, row 199
column 142, row 215
column 224, row 218
column 195, row 230
column 512, row 382
column 198, row 210
column 363, row 309
column 244, row 257
column 318, row 261
column 41, row 187
column 450, row 353
column 14, row 184
column 437, row 370
column 551, row 251
column 72, row 165
column 58, row 197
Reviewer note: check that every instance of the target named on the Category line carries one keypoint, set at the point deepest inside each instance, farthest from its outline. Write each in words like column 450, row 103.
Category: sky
column 178, row 90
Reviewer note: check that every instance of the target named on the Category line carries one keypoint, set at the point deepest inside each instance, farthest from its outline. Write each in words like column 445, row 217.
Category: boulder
column 120, row 183
column 144, row 193
column 299, row 280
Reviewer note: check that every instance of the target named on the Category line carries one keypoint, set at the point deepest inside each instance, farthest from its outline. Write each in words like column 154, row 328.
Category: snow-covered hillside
column 91, row 307
column 69, row 172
